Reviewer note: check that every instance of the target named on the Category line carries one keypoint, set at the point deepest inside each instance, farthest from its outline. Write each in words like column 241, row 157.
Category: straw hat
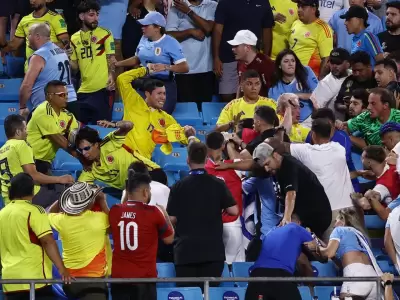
column 78, row 197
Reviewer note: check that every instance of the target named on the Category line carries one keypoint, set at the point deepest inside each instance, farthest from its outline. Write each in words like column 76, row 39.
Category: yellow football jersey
column 112, row 169
column 147, row 121
column 13, row 155
column 298, row 134
column 54, row 20
column 90, row 49
column 245, row 109
column 281, row 31
column 311, row 42
column 44, row 122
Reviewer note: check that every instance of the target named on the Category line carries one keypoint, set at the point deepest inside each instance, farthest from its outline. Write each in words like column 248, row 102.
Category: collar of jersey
column 21, row 201
column 159, row 40
column 361, row 33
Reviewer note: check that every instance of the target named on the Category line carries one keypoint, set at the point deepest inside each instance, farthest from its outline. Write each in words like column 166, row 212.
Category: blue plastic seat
column 7, row 109
column 374, row 222
column 192, row 293
column 3, row 137
column 102, row 131
column 305, row 293
column 14, row 66
column 324, row 270
column 237, row 293
column 60, row 247
column 211, row 111
column 9, row 89
column 64, row 161
column 306, row 109
column 172, row 164
column 111, row 200
column 187, row 114
column 241, row 269
column 385, row 266
column 226, row 274
column 118, row 111
column 326, row 292
column 202, row 131
column 166, row 270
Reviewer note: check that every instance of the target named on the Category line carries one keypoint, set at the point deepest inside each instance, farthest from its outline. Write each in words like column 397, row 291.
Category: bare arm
column 323, row 69
column 182, row 67
column 180, row 36
column 243, row 165
column 129, row 62
column 36, row 65
column 267, row 40
column 389, row 246
column 41, row 178
column 233, row 210
column 379, row 56
column 111, row 64
column 59, row 140
column 232, row 153
column 358, row 142
column 101, row 200
column 169, row 239
column 287, row 121
column 13, row 45
column 223, row 127
column 290, row 200
column 54, row 208
column 63, row 40
column 205, row 25
column 330, row 250
column 50, row 246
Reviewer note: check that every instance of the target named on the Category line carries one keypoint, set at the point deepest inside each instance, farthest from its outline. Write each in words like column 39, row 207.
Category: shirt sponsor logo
column 327, row 4
column 157, row 51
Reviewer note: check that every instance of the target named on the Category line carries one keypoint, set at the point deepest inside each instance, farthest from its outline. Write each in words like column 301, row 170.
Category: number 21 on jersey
column 128, row 234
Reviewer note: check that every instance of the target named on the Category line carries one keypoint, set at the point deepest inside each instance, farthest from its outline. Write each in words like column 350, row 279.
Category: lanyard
column 197, row 172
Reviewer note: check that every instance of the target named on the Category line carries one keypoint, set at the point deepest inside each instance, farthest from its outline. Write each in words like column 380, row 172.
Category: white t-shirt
column 328, row 163
column 328, row 7
column 159, row 194
column 394, row 225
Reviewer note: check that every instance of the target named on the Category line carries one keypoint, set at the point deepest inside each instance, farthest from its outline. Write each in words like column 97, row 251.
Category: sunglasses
column 87, row 148
column 60, row 94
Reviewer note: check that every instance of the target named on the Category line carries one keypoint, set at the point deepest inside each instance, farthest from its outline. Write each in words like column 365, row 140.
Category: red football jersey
column 234, row 184
column 265, row 68
column 136, row 228
column 389, row 179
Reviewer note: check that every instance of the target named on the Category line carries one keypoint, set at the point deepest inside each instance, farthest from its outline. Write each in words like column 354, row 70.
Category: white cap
column 245, row 37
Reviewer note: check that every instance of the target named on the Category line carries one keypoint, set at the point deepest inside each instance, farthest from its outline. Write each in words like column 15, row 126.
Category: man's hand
column 372, row 195
column 66, row 179
column 182, row 6
column 312, row 245
column 285, row 221
column 134, row 12
column 198, row 34
column 65, row 276
column 387, row 277
column 106, row 124
column 391, row 159
column 110, row 83
column 222, row 166
column 189, row 131
column 367, row 174
column 236, row 139
column 340, row 125
column 278, row 17
column 24, row 112
column 314, row 102
column 154, row 68
column 217, row 67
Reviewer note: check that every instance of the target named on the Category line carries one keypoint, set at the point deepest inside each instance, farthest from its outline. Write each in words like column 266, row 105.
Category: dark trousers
column 44, row 293
column 195, row 87
column 206, row 269
column 272, row 290
column 86, row 291
column 94, row 106
column 137, row 291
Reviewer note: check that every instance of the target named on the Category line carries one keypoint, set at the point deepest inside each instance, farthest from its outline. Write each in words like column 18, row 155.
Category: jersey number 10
column 125, row 235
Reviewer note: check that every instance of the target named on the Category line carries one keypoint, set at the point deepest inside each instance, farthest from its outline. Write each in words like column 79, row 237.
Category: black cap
column 355, row 12
column 338, row 55
column 313, row 3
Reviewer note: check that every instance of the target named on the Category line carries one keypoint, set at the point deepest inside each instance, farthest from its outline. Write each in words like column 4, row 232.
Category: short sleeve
column 212, row 6
column 268, row 19
column 25, row 154
column 333, row 21
column 19, row 32
column 226, row 198
column 55, row 220
column 304, row 235
column 175, row 51
column 116, row 140
column 173, row 201
column 299, row 151
column 110, row 45
column 372, row 44
column 226, row 115
column 336, row 235
column 221, row 11
column 290, row 180
column 47, row 125
column 39, row 222
column 102, row 219
column 395, row 203
column 74, row 57
column 325, row 41
column 86, row 176
column 172, row 20
column 312, row 80
column 59, row 25
column 355, row 124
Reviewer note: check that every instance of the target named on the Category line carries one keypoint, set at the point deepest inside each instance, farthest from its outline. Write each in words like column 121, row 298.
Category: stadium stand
column 188, row 114
column 211, row 111
column 118, row 111
column 9, row 89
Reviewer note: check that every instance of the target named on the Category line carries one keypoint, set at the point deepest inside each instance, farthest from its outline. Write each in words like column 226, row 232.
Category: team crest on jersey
column 93, row 39
column 359, row 43
column 157, row 51
column 110, row 159
column 291, row 11
column 161, row 122
column 307, row 34
column 62, row 124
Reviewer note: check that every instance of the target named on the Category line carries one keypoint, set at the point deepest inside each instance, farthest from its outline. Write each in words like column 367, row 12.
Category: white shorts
column 365, row 289
column 233, row 242
column 229, row 82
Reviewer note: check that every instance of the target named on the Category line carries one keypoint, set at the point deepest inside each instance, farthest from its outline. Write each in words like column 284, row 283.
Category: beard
column 392, row 27
column 37, row 7
column 92, row 25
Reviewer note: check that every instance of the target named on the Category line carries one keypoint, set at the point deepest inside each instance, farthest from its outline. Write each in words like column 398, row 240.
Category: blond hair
column 351, row 218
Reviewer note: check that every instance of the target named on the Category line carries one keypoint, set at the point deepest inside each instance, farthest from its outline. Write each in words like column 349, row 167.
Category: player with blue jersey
column 48, row 63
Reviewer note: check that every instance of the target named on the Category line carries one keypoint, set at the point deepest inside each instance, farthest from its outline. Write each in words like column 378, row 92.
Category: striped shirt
column 368, row 42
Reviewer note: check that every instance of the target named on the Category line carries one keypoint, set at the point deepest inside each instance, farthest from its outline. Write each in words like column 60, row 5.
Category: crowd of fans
column 291, row 177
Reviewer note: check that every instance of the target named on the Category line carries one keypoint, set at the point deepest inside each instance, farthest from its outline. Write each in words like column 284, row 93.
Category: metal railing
column 206, row 280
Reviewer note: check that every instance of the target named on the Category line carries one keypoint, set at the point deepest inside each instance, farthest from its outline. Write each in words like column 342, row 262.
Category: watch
column 167, row 67
column 387, row 282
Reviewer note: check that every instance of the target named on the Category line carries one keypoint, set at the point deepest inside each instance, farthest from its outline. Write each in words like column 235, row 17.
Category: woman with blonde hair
column 288, row 112
column 349, row 244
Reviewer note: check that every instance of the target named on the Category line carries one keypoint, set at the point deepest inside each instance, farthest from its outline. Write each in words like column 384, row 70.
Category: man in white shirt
column 327, row 89
column 328, row 7
column 392, row 237
column 327, row 160
column 390, row 135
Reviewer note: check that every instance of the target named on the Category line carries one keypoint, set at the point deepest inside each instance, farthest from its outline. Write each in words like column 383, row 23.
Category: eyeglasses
column 59, row 94
column 87, row 148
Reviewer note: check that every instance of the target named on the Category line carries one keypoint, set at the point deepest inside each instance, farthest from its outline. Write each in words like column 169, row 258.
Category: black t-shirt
column 264, row 135
column 131, row 34
column 197, row 201
column 389, row 41
column 311, row 204
column 350, row 84
column 394, row 87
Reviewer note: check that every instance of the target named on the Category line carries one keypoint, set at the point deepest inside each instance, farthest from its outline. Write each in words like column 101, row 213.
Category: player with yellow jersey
column 311, row 38
column 40, row 14
column 16, row 156
column 27, row 246
column 50, row 125
column 152, row 125
column 243, row 108
column 109, row 157
column 93, row 53
column 285, row 13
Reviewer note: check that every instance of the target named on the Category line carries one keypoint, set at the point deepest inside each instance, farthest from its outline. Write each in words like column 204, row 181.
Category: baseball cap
column 338, row 55
column 355, row 12
column 313, row 3
column 262, row 152
column 245, row 37
column 153, row 18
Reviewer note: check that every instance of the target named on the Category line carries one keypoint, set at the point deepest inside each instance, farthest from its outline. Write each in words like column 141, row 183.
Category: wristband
column 189, row 12
column 387, row 282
